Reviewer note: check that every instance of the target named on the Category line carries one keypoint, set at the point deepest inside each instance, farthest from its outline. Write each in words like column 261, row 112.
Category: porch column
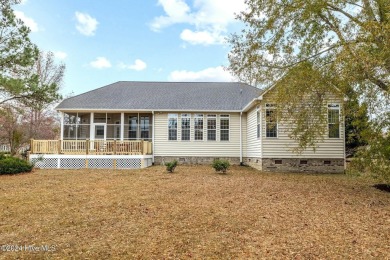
column 91, row 128
column 62, row 126
column 138, row 136
column 122, row 125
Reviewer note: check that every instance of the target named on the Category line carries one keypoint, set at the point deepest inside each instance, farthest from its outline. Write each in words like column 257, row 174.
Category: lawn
column 192, row 213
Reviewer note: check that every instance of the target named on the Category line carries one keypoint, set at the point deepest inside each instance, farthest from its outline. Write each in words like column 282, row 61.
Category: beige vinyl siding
column 244, row 134
column 165, row 147
column 281, row 147
column 253, row 143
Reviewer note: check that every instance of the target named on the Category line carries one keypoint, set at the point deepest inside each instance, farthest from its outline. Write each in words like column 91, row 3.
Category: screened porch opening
column 107, row 126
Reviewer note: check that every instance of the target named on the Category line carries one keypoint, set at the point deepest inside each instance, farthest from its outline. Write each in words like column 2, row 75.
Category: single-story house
column 134, row 124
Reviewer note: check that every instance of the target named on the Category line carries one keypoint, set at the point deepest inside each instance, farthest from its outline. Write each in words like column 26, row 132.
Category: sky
column 102, row 42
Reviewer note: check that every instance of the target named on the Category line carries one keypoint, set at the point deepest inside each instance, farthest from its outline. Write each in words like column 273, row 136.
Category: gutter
column 142, row 110
column 247, row 107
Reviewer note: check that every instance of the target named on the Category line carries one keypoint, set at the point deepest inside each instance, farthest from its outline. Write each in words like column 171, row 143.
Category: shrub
column 171, row 166
column 13, row 165
column 221, row 165
column 2, row 156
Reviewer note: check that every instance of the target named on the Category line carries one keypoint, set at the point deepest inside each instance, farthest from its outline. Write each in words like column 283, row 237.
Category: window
column 211, row 127
column 258, row 121
column 224, row 125
column 133, row 125
column 144, row 127
column 99, row 131
column 198, row 126
column 334, row 120
column 185, row 127
column 172, row 126
column 271, row 124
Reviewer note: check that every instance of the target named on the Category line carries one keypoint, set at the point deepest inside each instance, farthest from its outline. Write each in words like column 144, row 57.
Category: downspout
column 261, row 135
column 345, row 156
column 153, row 137
column 344, row 148
column 241, row 163
column 241, row 138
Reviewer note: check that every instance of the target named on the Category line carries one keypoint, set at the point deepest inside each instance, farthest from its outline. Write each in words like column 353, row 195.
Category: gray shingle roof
column 127, row 95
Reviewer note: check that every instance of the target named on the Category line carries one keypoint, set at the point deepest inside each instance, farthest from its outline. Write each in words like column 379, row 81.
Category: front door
column 100, row 131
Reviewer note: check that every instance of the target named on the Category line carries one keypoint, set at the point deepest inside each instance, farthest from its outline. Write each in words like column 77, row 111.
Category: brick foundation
column 266, row 164
column 303, row 165
column 254, row 162
column 193, row 160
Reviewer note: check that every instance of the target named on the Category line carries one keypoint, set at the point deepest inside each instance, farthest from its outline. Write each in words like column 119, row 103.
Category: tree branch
column 352, row 18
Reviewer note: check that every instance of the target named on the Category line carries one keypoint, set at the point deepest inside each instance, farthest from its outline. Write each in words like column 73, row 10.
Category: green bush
column 2, row 156
column 13, row 165
column 221, row 165
column 171, row 166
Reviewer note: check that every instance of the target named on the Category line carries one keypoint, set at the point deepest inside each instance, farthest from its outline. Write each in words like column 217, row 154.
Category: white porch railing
column 93, row 147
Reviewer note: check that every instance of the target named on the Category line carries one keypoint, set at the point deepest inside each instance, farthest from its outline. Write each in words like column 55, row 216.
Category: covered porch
column 108, row 126
column 91, row 139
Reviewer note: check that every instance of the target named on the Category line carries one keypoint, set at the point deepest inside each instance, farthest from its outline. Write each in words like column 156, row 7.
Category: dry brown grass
column 193, row 213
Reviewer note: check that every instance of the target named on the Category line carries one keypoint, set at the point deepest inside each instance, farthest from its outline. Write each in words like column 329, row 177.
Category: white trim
column 147, row 110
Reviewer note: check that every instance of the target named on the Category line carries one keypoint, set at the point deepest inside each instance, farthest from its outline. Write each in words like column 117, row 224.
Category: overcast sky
column 102, row 42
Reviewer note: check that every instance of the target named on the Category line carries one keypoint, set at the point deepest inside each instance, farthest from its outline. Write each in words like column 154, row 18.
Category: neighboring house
column 4, row 148
column 191, row 122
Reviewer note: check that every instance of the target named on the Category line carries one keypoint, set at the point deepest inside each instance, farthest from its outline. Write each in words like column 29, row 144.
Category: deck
column 91, row 147
column 94, row 154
